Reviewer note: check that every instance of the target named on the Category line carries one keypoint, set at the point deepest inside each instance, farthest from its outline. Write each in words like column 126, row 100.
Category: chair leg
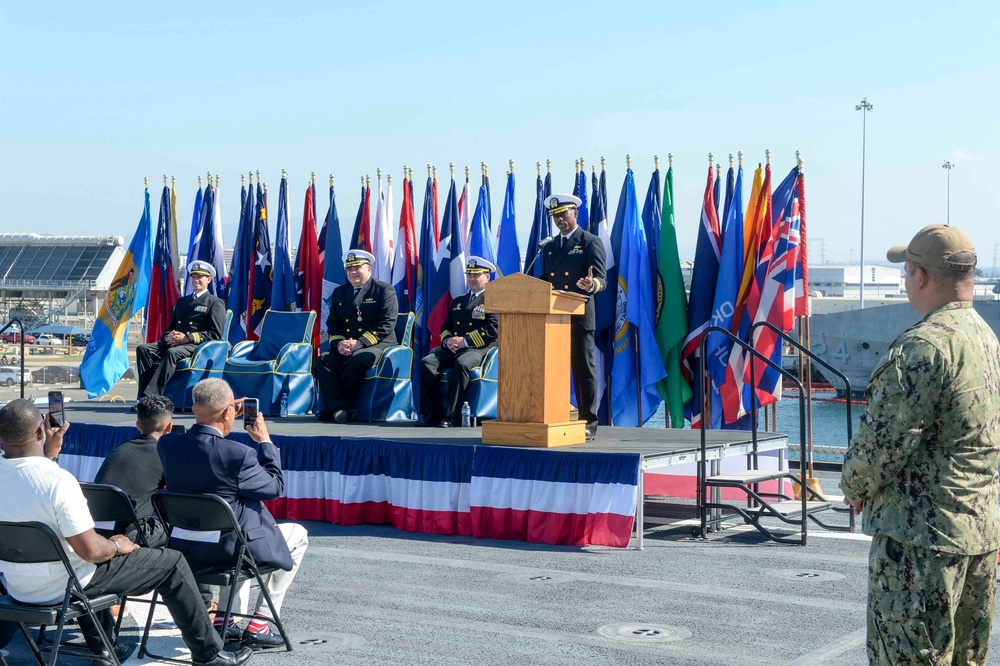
column 145, row 631
column 228, row 615
column 105, row 639
column 274, row 613
column 27, row 639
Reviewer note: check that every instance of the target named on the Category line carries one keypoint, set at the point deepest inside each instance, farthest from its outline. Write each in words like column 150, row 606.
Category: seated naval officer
column 362, row 323
column 196, row 319
column 467, row 334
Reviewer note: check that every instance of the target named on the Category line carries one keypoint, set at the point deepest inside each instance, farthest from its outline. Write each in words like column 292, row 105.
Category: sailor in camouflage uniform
column 197, row 318
column 362, row 323
column 467, row 334
column 922, row 468
column 575, row 262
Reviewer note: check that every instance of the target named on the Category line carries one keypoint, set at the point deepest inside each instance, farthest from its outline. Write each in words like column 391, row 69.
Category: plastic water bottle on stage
column 284, row 404
column 466, row 415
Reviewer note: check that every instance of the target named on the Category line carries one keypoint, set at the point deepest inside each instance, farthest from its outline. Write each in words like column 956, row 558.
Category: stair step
column 792, row 508
column 744, row 478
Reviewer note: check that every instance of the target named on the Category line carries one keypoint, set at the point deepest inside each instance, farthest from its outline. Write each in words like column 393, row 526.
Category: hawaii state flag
column 106, row 358
column 163, row 292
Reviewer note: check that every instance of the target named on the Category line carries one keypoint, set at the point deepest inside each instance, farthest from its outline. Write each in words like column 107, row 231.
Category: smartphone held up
column 57, row 413
column 251, row 408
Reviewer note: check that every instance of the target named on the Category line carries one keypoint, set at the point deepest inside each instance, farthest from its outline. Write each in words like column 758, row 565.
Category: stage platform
column 445, row 480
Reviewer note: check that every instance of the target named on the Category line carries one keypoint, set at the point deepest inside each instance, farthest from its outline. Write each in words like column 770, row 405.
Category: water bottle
column 466, row 415
column 284, row 404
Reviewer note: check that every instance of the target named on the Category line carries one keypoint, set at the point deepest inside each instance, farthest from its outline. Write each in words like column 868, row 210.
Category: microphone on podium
column 542, row 243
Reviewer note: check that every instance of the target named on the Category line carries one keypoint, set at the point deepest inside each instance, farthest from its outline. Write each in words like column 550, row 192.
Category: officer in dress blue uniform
column 196, row 319
column 467, row 334
column 574, row 261
column 362, row 323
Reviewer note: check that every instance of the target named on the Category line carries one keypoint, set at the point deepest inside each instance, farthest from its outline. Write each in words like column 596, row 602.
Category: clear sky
column 92, row 99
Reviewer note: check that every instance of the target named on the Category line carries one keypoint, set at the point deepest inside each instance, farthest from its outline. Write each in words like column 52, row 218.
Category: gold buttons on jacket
column 567, row 273
column 552, row 274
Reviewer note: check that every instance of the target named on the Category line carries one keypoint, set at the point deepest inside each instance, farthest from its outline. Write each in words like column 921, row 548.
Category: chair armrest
column 295, row 357
column 241, row 349
column 491, row 369
column 210, row 354
column 395, row 358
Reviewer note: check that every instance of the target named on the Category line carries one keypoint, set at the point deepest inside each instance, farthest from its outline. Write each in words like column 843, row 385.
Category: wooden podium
column 534, row 342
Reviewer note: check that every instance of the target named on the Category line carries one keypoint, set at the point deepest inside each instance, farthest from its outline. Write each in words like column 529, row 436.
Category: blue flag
column 539, row 231
column 580, row 190
column 727, row 290
column 546, row 193
column 637, row 365
column 262, row 273
column 239, row 269
column 332, row 246
column 480, row 238
column 106, row 357
column 606, row 300
column 283, row 288
column 508, row 250
column 199, row 200
column 208, row 243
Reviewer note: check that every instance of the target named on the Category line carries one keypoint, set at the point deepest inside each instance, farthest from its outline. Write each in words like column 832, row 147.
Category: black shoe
column 226, row 658
column 325, row 415
column 591, row 433
column 343, row 416
column 255, row 641
column 233, row 633
column 122, row 651
column 427, row 422
column 445, row 423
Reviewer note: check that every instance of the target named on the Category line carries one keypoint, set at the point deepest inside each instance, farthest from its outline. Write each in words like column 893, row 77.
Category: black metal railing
column 20, row 337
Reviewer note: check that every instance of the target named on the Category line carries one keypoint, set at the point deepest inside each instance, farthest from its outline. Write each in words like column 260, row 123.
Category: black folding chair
column 210, row 513
column 36, row 543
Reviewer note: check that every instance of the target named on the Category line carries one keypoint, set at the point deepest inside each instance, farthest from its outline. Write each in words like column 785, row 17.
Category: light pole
column 949, row 166
column 864, row 107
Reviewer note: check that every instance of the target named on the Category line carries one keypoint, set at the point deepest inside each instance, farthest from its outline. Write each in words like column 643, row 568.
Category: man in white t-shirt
column 34, row 488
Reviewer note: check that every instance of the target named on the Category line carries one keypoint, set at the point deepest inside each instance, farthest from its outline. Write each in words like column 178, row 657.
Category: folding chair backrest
column 108, row 503
column 30, row 543
column 195, row 512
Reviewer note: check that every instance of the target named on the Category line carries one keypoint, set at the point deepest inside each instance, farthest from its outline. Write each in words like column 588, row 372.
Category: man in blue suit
column 204, row 461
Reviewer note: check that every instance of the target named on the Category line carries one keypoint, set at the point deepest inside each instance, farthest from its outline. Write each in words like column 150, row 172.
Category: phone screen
column 177, row 429
column 57, row 415
column 250, row 408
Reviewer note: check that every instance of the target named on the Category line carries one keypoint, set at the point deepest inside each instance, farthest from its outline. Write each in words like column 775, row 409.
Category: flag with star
column 262, row 275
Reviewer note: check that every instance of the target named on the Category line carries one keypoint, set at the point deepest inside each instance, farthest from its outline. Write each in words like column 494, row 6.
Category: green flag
column 671, row 327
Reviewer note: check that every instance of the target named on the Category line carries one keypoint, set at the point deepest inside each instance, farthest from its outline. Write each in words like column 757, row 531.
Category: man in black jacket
column 202, row 460
column 574, row 261
column 196, row 319
column 135, row 467
column 362, row 323
column 467, row 334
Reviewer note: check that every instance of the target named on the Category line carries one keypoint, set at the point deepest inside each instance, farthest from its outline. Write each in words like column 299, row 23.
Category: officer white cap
column 557, row 203
column 201, row 268
column 354, row 258
column 479, row 265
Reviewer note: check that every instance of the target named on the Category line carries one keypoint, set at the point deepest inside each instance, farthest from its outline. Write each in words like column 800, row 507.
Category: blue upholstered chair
column 387, row 393
column 279, row 363
column 208, row 361
column 482, row 392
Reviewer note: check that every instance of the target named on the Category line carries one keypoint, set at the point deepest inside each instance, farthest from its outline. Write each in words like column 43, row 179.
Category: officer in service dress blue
column 467, row 334
column 362, row 323
column 574, row 261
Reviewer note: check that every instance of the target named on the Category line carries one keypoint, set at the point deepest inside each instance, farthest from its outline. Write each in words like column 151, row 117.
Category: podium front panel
column 534, row 379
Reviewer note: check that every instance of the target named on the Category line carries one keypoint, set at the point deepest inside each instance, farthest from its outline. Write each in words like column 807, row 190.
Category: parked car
column 8, row 375
column 80, row 340
column 14, row 337
column 48, row 340
column 56, row 374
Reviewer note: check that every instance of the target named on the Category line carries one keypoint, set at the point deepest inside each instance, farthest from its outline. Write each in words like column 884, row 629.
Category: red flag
column 308, row 269
column 163, row 293
column 404, row 266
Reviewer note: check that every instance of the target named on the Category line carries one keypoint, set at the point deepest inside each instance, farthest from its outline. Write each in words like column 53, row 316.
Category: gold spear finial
column 576, row 165
column 435, row 170
column 250, row 176
column 388, row 179
column 670, row 160
column 173, row 182
column 216, row 181
column 548, row 166
column 656, row 162
column 739, row 156
column 466, row 173
column 798, row 158
column 368, row 182
column 538, row 167
column 312, row 178
column 767, row 156
column 730, row 160
column 378, row 173
column 602, row 162
column 199, row 182
column 243, row 180
column 710, row 160
column 486, row 170
column 259, row 181
column 510, row 165
column 582, row 167
column 145, row 182
column 428, row 170
column 284, row 175
column 628, row 161
column 718, row 170
column 451, row 168
column 331, row 180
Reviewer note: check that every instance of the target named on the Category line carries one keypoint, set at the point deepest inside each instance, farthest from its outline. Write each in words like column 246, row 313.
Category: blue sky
column 95, row 99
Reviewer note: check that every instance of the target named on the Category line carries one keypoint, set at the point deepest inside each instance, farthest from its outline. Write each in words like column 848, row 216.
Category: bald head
column 20, row 421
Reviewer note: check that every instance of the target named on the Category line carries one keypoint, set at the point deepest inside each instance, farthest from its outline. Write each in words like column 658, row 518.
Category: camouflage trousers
column 928, row 607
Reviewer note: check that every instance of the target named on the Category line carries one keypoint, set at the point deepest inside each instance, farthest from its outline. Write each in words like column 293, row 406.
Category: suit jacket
column 564, row 264
column 369, row 317
column 200, row 461
column 202, row 318
column 468, row 318
column 134, row 466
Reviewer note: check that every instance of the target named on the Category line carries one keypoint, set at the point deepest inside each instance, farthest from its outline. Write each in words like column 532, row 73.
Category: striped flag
column 163, row 293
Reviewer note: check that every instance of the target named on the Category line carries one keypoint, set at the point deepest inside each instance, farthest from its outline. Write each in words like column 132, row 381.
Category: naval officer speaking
column 574, row 261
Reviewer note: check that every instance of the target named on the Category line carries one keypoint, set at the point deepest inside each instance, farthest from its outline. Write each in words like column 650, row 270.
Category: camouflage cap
column 934, row 246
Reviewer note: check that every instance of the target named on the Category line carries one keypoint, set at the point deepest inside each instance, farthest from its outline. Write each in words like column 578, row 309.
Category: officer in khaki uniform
column 467, row 334
column 922, row 468
column 362, row 323
column 574, row 261
column 196, row 319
